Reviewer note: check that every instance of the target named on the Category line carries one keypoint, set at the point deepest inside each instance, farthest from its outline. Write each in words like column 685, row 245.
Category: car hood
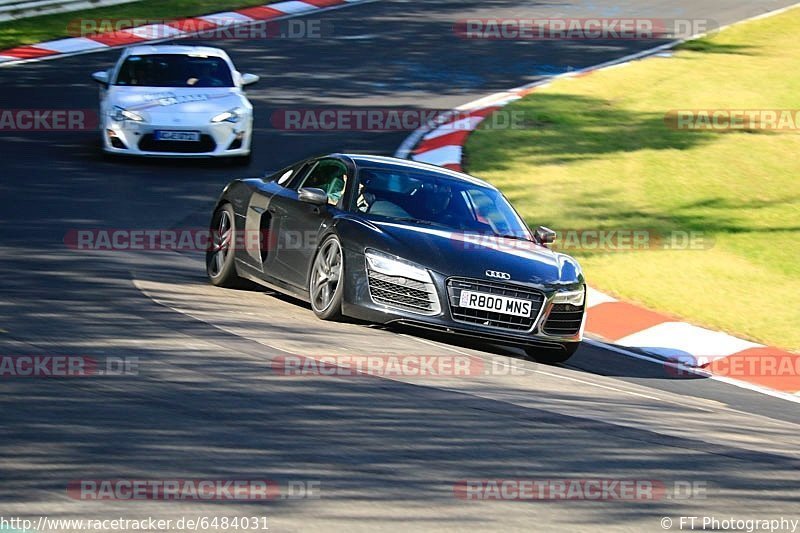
column 156, row 102
column 454, row 253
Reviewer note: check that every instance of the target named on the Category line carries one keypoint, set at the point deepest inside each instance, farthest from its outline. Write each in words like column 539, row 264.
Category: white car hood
column 160, row 102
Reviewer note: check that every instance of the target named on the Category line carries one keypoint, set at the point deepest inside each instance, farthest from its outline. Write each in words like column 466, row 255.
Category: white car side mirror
column 101, row 77
column 249, row 79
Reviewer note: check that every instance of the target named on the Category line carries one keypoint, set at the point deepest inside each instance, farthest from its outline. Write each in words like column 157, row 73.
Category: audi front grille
column 492, row 318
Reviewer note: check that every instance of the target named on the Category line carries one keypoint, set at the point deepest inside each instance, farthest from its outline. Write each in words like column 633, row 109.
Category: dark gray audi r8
column 393, row 241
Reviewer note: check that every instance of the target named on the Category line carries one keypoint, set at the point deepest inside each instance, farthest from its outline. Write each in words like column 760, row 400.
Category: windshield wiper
column 415, row 221
column 515, row 237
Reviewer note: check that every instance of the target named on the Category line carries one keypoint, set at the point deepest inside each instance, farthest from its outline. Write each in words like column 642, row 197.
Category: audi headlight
column 570, row 297
column 121, row 114
column 395, row 266
column 231, row 115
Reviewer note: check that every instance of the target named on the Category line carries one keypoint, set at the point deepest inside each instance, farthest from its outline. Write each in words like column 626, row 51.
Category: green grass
column 596, row 154
column 48, row 27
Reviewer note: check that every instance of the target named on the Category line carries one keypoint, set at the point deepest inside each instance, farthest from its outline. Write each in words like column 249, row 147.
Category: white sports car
column 175, row 101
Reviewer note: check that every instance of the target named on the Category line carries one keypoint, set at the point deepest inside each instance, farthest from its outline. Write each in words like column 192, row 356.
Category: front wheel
column 326, row 282
column 552, row 356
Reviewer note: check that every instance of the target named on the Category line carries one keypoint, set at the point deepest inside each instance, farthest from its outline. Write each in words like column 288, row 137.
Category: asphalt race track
column 386, row 452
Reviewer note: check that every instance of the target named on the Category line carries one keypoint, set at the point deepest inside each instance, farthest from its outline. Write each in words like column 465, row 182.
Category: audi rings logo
column 498, row 275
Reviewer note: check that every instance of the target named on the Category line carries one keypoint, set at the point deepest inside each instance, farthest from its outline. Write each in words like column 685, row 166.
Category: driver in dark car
column 369, row 202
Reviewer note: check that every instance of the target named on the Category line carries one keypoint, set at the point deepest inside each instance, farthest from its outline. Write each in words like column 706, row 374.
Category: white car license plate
column 166, row 135
column 494, row 302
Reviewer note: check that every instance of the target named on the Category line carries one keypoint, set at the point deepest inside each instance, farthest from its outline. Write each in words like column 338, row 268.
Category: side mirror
column 249, row 79
column 312, row 195
column 545, row 235
column 101, row 77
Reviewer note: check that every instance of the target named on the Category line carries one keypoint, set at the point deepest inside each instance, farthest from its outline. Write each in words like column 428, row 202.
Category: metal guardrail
column 19, row 9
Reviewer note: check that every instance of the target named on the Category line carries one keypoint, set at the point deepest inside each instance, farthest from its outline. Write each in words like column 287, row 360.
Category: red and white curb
column 719, row 354
column 176, row 29
column 653, row 336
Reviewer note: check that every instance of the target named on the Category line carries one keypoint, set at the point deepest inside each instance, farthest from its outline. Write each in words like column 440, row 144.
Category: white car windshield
column 174, row 70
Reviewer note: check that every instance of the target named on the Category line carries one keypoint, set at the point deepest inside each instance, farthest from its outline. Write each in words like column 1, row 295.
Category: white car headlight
column 231, row 115
column 121, row 114
column 394, row 266
column 570, row 297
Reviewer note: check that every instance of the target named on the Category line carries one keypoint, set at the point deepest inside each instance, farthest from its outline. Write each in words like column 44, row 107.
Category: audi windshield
column 431, row 199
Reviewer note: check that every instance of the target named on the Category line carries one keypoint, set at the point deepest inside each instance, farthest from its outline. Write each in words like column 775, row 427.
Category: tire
column 550, row 356
column 326, row 280
column 220, row 265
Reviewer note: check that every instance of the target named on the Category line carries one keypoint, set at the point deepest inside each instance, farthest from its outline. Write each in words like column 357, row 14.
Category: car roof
column 377, row 161
column 150, row 49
